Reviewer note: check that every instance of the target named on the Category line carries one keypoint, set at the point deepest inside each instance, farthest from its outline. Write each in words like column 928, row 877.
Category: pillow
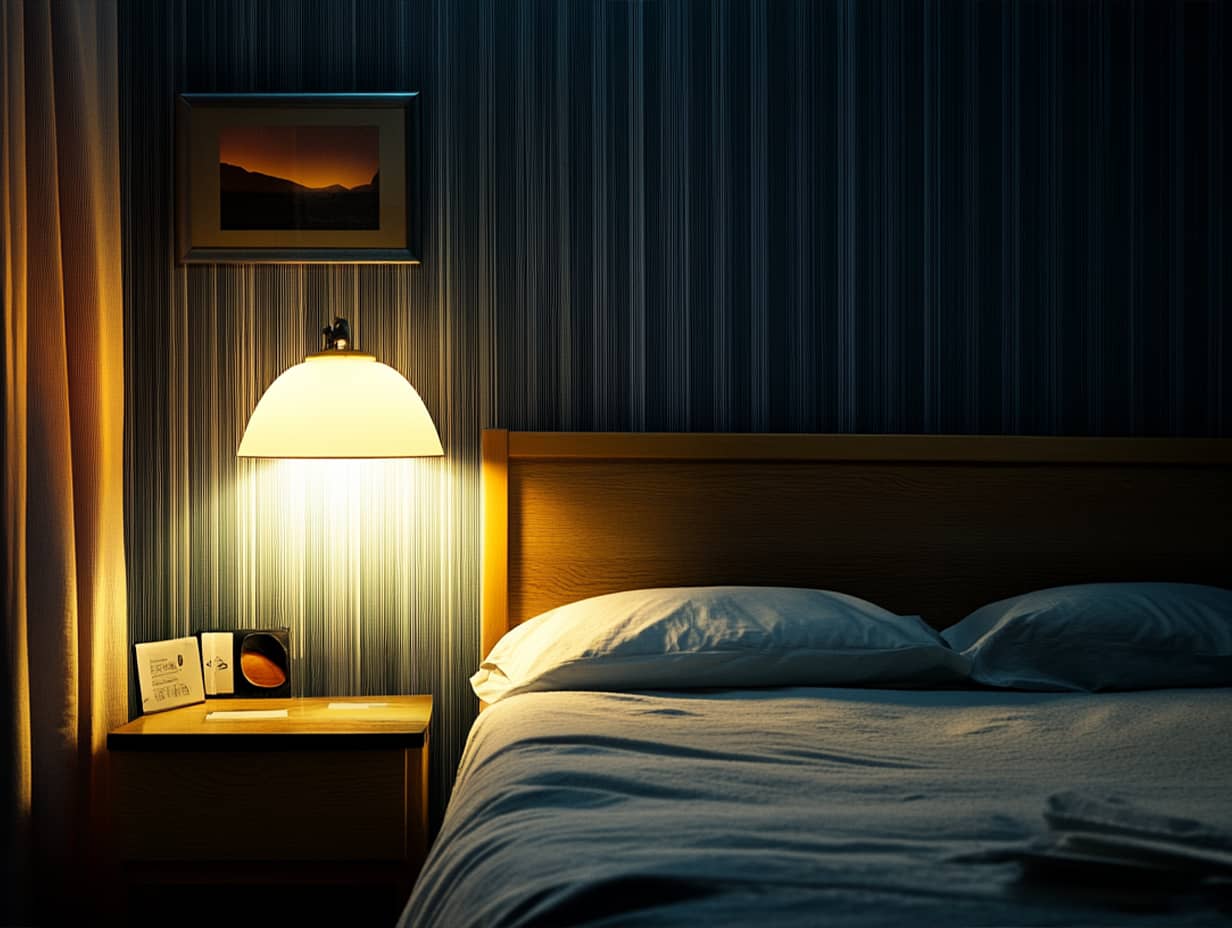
column 1101, row 636
column 727, row 636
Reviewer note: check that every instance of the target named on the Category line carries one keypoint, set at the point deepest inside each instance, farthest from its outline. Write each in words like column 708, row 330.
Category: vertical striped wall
column 888, row 216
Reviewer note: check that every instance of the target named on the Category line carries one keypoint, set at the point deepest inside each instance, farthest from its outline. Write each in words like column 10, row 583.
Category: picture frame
column 298, row 178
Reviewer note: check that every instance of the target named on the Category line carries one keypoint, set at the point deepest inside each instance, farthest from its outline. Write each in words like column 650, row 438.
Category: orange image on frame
column 299, row 177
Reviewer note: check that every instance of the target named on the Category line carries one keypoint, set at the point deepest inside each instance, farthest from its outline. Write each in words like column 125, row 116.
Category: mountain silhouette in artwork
column 251, row 200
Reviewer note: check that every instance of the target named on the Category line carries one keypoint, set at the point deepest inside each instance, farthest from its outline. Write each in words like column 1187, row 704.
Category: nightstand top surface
column 387, row 722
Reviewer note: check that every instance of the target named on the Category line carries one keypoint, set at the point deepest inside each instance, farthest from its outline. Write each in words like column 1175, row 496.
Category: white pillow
column 726, row 636
column 1101, row 636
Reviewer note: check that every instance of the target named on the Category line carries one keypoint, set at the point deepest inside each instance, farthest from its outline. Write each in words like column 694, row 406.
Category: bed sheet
column 807, row 806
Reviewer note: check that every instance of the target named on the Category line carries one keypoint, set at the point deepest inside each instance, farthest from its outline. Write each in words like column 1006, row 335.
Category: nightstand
column 323, row 811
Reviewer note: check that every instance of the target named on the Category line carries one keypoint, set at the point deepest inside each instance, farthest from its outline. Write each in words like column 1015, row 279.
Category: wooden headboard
column 927, row 525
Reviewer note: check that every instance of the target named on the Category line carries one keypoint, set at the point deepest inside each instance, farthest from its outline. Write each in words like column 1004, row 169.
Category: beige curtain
column 63, row 678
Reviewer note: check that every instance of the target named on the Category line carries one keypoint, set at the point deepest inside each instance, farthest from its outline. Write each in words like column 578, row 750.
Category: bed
column 804, row 805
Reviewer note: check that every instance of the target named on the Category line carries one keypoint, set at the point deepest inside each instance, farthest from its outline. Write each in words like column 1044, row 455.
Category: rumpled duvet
column 827, row 807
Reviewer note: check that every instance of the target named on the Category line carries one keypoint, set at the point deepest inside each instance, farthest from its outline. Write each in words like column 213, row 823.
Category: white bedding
column 841, row 807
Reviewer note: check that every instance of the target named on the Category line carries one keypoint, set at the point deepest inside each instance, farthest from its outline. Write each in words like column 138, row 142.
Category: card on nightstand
column 169, row 674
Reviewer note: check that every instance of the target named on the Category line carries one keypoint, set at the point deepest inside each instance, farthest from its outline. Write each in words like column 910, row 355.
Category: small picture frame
column 279, row 178
column 247, row 662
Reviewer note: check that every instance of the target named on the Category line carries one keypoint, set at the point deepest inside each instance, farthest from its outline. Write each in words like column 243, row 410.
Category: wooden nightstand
column 324, row 811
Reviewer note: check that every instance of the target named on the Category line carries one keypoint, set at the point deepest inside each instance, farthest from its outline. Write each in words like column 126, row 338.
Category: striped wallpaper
column 892, row 216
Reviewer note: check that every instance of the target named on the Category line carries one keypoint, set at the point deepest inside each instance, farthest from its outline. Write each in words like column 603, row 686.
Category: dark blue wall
column 901, row 216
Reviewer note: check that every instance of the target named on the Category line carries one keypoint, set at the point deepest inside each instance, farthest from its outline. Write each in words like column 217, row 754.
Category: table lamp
column 340, row 403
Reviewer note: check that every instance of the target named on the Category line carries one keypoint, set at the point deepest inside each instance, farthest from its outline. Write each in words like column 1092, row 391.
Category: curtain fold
column 64, row 636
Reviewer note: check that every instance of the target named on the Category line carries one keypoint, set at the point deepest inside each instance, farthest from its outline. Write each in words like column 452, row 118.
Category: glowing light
column 340, row 405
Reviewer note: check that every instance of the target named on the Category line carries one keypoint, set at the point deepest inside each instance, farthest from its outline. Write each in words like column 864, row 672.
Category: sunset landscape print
column 299, row 177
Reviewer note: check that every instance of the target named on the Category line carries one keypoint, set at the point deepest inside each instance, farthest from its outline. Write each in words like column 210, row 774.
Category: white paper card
column 224, row 715
column 169, row 674
column 217, row 649
column 358, row 705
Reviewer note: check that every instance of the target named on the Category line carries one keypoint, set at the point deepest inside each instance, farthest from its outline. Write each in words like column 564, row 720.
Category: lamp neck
column 337, row 337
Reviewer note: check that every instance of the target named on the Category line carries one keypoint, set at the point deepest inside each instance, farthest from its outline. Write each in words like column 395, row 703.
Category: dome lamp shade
column 340, row 403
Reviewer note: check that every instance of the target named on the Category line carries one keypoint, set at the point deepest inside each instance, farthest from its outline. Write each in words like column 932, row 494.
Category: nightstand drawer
column 265, row 805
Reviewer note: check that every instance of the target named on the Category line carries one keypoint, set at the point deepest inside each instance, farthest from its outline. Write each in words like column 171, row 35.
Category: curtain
column 63, row 677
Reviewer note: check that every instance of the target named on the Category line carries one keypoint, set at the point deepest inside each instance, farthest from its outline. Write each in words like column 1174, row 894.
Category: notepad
column 228, row 715
column 358, row 705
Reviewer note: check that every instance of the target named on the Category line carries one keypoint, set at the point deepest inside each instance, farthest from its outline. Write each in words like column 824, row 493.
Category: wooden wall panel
column 736, row 215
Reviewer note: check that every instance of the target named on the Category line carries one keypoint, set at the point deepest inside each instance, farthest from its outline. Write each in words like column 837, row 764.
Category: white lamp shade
column 340, row 405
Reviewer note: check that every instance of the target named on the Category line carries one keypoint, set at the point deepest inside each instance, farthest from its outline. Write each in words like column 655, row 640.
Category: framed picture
column 297, row 178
